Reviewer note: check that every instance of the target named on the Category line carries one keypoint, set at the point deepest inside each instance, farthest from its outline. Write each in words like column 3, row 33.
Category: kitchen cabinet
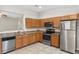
column 32, row 23
column 19, row 41
column 42, row 22
column 65, row 17
column 37, row 23
column 56, row 22
column 39, row 36
column 35, row 37
column 55, row 40
column 31, row 38
column 28, row 22
column 25, row 40
column 47, row 20
column 74, row 16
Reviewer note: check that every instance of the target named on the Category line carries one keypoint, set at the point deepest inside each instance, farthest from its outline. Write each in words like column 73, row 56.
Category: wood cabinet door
column 34, row 38
column 75, row 16
column 19, row 41
column 31, row 38
column 65, row 17
column 55, row 40
column 39, row 36
column 37, row 23
column 28, row 22
column 42, row 22
column 25, row 40
column 56, row 22
column 32, row 23
column 0, row 46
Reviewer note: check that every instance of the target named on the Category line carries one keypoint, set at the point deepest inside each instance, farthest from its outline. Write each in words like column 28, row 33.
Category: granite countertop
column 27, row 32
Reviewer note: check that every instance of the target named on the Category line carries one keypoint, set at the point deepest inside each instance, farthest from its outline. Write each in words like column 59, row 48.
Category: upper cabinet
column 65, row 17
column 56, row 22
column 39, row 23
column 74, row 16
column 71, row 17
column 32, row 23
column 28, row 22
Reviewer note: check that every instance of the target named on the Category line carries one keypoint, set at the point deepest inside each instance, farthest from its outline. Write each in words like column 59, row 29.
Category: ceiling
column 33, row 8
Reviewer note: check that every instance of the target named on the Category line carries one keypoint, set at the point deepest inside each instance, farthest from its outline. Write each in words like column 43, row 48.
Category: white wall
column 26, row 13
column 59, row 11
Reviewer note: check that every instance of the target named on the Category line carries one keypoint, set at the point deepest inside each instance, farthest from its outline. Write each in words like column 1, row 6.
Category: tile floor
column 38, row 48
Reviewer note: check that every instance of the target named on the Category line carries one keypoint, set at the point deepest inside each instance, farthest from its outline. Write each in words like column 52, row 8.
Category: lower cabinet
column 31, row 38
column 0, row 46
column 55, row 40
column 25, row 40
column 19, row 41
column 39, row 37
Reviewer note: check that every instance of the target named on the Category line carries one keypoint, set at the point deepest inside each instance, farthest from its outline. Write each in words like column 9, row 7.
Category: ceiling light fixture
column 38, row 6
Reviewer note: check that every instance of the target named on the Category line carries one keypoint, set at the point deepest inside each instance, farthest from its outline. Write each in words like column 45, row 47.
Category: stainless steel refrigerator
column 68, row 36
column 77, row 41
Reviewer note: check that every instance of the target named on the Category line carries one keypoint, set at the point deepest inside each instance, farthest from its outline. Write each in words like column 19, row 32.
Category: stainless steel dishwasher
column 8, row 44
